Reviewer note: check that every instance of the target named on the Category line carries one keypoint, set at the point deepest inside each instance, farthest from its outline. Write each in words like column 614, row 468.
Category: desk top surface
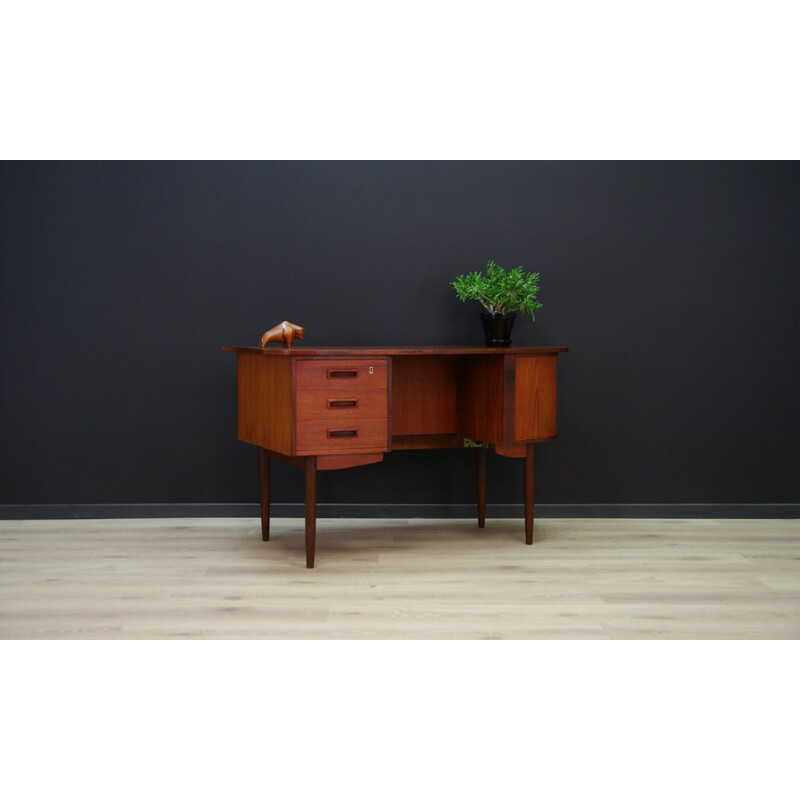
column 299, row 351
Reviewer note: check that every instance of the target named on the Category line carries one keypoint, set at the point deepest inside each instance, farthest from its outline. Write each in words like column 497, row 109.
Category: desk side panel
column 265, row 401
column 535, row 398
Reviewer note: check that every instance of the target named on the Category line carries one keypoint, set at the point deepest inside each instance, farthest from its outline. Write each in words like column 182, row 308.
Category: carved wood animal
column 283, row 332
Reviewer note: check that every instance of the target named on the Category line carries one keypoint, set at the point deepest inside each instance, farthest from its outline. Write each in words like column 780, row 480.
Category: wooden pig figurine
column 283, row 332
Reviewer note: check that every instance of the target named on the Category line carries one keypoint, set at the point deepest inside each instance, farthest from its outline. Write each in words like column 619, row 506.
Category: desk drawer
column 340, row 375
column 342, row 402
column 341, row 435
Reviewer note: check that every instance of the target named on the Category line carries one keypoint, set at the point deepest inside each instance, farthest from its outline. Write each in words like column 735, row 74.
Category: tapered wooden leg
column 529, row 493
column 311, row 509
column 481, row 487
column 263, row 470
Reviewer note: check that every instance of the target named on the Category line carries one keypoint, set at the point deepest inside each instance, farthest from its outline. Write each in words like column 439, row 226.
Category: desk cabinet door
column 535, row 398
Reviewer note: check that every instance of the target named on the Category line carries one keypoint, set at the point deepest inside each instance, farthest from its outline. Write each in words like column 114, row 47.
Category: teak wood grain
column 427, row 442
column 320, row 404
column 327, row 462
column 335, row 408
column 481, row 396
column 534, row 398
column 342, row 435
column 265, row 402
column 344, row 375
column 362, row 352
column 424, row 395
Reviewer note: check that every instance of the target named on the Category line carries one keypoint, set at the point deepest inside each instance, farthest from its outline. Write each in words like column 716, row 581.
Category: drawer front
column 341, row 402
column 339, row 434
column 341, row 376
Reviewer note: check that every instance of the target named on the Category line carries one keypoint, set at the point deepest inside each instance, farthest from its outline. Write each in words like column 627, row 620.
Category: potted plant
column 502, row 293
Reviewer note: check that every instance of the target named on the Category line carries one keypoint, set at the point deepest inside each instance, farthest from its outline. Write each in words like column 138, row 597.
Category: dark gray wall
column 675, row 285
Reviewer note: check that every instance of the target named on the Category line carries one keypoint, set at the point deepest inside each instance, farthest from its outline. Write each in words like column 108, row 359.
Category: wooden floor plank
column 400, row 579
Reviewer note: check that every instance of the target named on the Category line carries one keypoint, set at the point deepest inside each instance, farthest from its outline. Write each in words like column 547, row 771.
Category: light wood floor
column 400, row 579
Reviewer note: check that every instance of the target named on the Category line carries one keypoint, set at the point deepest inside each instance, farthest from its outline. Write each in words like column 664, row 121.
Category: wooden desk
column 333, row 408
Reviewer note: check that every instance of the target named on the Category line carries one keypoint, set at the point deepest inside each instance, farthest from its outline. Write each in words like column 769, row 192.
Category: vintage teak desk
column 333, row 408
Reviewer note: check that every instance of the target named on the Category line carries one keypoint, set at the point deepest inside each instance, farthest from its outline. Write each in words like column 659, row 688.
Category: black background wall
column 675, row 285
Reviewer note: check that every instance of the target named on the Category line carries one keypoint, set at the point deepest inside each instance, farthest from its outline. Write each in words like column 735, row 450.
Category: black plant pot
column 497, row 328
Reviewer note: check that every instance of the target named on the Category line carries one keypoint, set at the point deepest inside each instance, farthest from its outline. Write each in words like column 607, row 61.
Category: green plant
column 499, row 290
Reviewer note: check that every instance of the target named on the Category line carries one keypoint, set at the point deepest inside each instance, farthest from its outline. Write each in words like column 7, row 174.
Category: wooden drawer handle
column 342, row 403
column 342, row 373
column 342, row 433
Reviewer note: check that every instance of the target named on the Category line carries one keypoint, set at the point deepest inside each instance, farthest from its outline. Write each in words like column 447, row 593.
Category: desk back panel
column 483, row 398
column 424, row 395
